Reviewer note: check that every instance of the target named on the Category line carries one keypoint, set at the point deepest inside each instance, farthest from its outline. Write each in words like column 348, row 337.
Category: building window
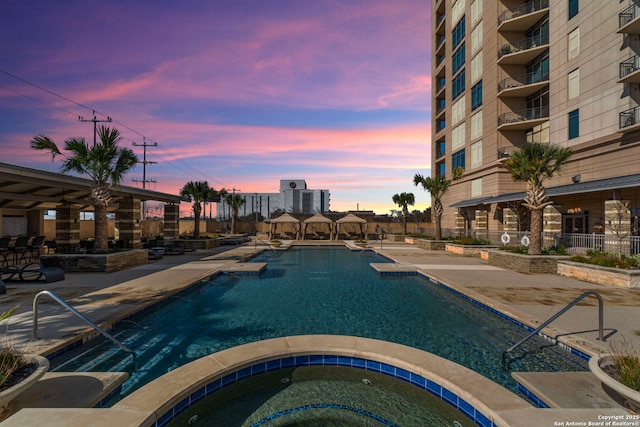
column 458, row 85
column 476, row 11
column 573, row 8
column 539, row 133
column 574, row 43
column 476, row 38
column 538, row 34
column 457, row 160
column 441, row 169
column 476, row 95
column 476, row 154
column 441, row 149
column 458, row 33
column 476, row 125
column 476, row 187
column 457, row 10
column 574, row 124
column 458, row 137
column 476, row 67
column 574, row 84
column 457, row 61
column 458, row 110
column 538, row 68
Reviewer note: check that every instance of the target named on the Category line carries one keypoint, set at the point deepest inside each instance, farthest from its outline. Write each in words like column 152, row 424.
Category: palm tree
column 198, row 192
column 404, row 200
column 105, row 163
column 234, row 201
column 533, row 164
column 437, row 187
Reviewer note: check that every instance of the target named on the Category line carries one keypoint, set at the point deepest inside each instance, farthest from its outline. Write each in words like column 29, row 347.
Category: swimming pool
column 320, row 291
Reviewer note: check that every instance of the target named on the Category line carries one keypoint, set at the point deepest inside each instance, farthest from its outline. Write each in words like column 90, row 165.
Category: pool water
column 320, row 291
column 324, row 397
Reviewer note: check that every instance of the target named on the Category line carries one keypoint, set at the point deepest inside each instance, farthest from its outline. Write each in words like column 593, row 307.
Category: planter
column 522, row 263
column 8, row 395
column 629, row 396
column 431, row 245
column 601, row 275
column 465, row 250
column 96, row 263
column 275, row 244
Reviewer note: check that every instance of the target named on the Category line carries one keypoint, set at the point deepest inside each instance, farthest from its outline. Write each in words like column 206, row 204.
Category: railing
column 574, row 243
column 627, row 15
column 629, row 117
column 629, row 66
column 525, row 44
column 523, row 115
column 561, row 312
column 505, row 152
column 524, row 9
column 81, row 317
column 526, row 79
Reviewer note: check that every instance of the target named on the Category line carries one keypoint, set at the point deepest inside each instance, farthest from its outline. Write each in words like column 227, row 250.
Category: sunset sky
column 239, row 93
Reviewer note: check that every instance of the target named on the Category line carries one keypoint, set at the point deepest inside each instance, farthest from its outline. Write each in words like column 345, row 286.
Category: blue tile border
column 510, row 319
column 328, row 360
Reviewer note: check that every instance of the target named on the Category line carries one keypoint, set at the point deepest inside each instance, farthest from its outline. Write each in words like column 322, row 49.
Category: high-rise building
column 509, row 72
column 293, row 197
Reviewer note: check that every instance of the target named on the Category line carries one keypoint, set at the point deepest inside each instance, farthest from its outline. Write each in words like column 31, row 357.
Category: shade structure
column 318, row 221
column 360, row 224
column 282, row 221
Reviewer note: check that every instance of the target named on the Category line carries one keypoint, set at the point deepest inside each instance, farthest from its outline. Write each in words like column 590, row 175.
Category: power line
column 189, row 168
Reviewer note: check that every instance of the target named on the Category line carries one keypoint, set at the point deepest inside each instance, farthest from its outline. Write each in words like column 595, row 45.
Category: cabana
column 351, row 219
column 315, row 222
column 282, row 220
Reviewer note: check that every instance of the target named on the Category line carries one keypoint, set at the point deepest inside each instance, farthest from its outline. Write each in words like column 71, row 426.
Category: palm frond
column 43, row 142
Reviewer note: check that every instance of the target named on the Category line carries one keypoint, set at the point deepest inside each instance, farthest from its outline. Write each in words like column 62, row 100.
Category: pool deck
column 530, row 298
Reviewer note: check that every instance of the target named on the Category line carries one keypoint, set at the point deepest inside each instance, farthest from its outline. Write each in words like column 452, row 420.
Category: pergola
column 314, row 221
column 283, row 220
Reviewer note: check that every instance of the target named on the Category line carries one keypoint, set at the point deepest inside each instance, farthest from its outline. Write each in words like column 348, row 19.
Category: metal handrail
column 80, row 316
column 561, row 312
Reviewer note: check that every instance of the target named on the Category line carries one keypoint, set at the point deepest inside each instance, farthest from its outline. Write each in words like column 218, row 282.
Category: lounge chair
column 32, row 272
column 4, row 251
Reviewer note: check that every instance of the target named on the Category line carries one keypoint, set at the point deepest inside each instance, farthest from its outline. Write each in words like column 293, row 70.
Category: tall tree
column 404, row 200
column 235, row 201
column 534, row 163
column 437, row 187
column 198, row 192
column 104, row 163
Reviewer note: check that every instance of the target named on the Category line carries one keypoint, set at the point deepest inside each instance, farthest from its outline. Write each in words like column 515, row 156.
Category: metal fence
column 575, row 243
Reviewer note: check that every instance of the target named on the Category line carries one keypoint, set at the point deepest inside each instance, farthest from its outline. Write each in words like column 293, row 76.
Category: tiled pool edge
column 432, row 387
column 476, row 396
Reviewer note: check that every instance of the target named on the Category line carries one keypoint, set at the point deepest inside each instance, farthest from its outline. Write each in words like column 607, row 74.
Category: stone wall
column 524, row 263
column 466, row 250
column 601, row 275
column 96, row 263
column 431, row 245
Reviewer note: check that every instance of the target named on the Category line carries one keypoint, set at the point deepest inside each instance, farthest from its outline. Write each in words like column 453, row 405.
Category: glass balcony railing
column 523, row 115
column 526, row 79
column 525, row 9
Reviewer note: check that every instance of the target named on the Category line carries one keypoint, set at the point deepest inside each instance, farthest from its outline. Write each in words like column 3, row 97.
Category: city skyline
column 241, row 94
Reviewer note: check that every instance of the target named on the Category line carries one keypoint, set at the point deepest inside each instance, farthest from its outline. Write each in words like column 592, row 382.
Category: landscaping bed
column 96, row 263
column 524, row 263
column 624, row 278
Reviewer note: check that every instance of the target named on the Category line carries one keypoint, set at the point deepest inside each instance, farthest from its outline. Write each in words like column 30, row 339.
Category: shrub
column 627, row 365
column 468, row 240
column 605, row 259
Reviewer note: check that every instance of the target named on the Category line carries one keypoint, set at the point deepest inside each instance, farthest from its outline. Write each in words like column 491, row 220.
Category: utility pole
column 95, row 121
column 144, row 162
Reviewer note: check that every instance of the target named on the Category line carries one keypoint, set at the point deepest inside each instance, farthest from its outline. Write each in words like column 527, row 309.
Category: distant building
column 294, row 196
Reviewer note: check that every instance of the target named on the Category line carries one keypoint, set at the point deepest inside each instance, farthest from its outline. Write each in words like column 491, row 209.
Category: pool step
column 565, row 389
column 70, row 390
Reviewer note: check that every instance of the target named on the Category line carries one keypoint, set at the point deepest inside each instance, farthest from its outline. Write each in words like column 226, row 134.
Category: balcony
column 630, row 70
column 523, row 119
column 629, row 20
column 523, row 16
column 523, row 51
column 505, row 152
column 522, row 86
column 629, row 120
